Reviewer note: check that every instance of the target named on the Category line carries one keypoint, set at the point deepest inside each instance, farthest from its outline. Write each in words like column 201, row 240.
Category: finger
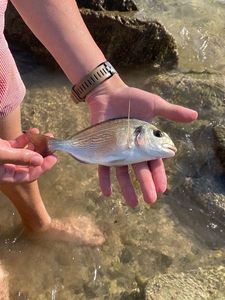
column 145, row 179
column 22, row 174
column 7, row 173
column 10, row 174
column 104, row 180
column 18, row 174
column 30, row 133
column 174, row 112
column 49, row 162
column 158, row 174
column 20, row 157
column 29, row 174
column 35, row 172
column 126, row 186
column 22, row 140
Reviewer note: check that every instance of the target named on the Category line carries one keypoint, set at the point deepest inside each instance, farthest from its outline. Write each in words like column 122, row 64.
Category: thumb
column 20, row 157
column 175, row 112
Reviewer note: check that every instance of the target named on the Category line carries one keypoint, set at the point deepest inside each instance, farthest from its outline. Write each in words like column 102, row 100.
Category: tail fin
column 40, row 142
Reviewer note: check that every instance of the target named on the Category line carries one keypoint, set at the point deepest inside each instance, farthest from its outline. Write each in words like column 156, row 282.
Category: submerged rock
column 197, row 191
column 202, row 283
column 123, row 39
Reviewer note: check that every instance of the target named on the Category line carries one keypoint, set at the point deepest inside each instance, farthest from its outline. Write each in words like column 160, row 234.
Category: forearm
column 10, row 126
column 60, row 27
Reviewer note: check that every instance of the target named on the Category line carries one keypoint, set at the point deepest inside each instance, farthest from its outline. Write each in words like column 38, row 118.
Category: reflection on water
column 198, row 27
column 142, row 242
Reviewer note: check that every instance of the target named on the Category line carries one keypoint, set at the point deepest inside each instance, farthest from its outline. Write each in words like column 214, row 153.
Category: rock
column 202, row 283
column 197, row 191
column 126, row 256
column 204, row 182
column 93, row 4
column 219, row 132
column 199, row 204
column 207, row 89
column 120, row 5
column 131, row 41
column 124, row 40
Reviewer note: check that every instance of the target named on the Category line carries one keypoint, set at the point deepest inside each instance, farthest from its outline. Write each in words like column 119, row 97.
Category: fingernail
column 36, row 160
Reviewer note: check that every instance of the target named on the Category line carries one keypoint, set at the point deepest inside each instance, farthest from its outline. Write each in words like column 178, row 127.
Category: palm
column 143, row 105
column 106, row 107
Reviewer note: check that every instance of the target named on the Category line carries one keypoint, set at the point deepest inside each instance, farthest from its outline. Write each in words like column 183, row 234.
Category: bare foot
column 79, row 230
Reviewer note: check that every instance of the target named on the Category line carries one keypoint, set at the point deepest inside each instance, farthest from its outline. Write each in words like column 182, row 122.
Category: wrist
column 105, row 88
column 95, row 82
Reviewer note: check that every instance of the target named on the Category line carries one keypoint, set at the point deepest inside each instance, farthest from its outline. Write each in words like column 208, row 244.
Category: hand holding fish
column 111, row 100
column 19, row 164
column 122, row 137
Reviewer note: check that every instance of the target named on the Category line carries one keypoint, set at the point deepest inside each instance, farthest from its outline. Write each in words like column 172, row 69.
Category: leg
column 27, row 200
column 25, row 197
column 4, row 286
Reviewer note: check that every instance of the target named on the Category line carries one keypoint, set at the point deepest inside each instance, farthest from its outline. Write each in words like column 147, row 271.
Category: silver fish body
column 116, row 142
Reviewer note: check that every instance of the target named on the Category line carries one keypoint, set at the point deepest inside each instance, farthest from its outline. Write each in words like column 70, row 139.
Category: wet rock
column 131, row 41
column 20, row 296
column 134, row 295
column 199, row 204
column 120, row 5
column 206, row 89
column 93, row 4
column 219, row 132
column 198, row 193
column 126, row 256
column 123, row 39
column 197, row 190
column 202, row 283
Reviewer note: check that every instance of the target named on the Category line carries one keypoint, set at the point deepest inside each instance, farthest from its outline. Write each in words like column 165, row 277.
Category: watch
column 101, row 73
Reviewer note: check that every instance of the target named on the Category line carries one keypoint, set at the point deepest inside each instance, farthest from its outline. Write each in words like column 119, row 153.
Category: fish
column 115, row 142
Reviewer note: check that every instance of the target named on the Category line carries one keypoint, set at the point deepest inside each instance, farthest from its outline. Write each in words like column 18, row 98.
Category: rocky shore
column 203, row 283
column 196, row 194
column 124, row 39
column 120, row 5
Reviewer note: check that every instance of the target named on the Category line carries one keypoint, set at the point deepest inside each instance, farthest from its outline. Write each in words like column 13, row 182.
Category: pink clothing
column 12, row 89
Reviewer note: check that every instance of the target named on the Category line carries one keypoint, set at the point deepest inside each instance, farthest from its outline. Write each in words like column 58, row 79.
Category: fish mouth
column 171, row 148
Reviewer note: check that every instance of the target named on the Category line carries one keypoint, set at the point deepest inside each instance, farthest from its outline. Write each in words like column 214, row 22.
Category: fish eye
column 157, row 133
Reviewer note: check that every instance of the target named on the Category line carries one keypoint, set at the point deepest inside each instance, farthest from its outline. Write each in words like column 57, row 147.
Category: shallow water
column 140, row 243
column 198, row 27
